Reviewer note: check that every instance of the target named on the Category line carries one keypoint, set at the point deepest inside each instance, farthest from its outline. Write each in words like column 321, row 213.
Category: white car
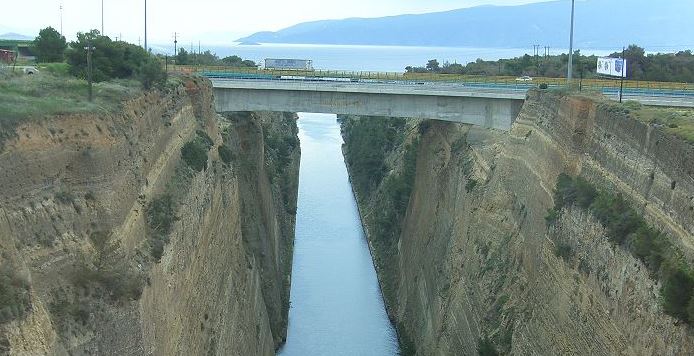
column 30, row 70
column 524, row 78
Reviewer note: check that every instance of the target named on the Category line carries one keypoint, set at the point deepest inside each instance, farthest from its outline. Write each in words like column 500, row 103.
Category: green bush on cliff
column 278, row 150
column 369, row 140
column 14, row 294
column 160, row 215
column 485, row 347
column 627, row 228
column 564, row 250
column 225, row 154
column 151, row 73
column 194, row 153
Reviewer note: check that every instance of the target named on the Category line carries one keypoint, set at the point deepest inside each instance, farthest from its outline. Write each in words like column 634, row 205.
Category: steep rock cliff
column 78, row 207
column 474, row 266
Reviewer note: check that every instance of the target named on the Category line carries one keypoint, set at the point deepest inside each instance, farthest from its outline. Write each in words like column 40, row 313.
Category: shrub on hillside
column 627, row 228
column 160, row 215
column 110, row 59
column 485, row 347
column 225, row 154
column 151, row 73
column 15, row 300
column 194, row 153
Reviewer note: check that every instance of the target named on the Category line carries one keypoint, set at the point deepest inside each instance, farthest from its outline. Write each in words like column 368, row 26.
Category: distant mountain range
column 599, row 24
column 15, row 37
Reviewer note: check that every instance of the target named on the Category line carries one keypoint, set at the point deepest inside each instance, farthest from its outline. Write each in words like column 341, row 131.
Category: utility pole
column 175, row 47
column 569, row 75
column 89, row 50
column 102, row 18
column 146, row 48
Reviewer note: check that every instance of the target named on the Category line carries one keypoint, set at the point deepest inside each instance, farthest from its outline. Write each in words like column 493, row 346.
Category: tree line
column 666, row 67
column 110, row 59
column 208, row 58
column 117, row 59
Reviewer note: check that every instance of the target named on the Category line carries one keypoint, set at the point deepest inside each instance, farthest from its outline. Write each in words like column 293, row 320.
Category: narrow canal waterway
column 336, row 305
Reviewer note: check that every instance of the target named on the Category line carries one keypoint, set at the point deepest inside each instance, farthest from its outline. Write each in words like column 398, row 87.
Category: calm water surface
column 336, row 305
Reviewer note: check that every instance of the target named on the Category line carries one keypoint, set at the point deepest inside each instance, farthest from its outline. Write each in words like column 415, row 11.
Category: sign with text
column 615, row 67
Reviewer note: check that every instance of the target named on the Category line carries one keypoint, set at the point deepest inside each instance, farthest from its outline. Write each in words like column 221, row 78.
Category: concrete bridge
column 487, row 105
column 496, row 109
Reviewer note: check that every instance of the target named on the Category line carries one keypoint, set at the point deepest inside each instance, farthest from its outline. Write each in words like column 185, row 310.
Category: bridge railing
column 505, row 82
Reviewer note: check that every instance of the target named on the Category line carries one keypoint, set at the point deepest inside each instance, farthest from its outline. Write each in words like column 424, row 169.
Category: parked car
column 524, row 78
column 31, row 70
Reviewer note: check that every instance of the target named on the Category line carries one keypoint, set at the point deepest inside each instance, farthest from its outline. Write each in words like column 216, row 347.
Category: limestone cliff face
column 76, row 197
column 475, row 264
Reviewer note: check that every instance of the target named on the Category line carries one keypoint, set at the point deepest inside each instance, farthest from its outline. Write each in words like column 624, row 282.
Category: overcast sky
column 208, row 20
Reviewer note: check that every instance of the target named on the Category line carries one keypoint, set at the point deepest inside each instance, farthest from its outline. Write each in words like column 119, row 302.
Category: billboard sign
column 615, row 67
column 285, row 63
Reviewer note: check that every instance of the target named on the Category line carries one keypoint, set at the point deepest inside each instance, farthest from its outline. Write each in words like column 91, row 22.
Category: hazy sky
column 208, row 20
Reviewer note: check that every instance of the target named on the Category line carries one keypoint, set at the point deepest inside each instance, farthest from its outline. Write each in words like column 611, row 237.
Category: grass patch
column 35, row 97
column 625, row 227
column 675, row 121
column 57, row 69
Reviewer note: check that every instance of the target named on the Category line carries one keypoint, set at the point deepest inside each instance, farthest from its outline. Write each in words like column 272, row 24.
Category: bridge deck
column 429, row 89
column 653, row 97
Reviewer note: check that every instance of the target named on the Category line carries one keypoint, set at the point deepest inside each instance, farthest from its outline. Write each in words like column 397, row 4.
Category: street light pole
column 146, row 48
column 569, row 75
column 102, row 18
column 61, row 19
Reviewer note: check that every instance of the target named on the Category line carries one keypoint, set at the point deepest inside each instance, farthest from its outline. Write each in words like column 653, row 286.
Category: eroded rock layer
column 164, row 229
